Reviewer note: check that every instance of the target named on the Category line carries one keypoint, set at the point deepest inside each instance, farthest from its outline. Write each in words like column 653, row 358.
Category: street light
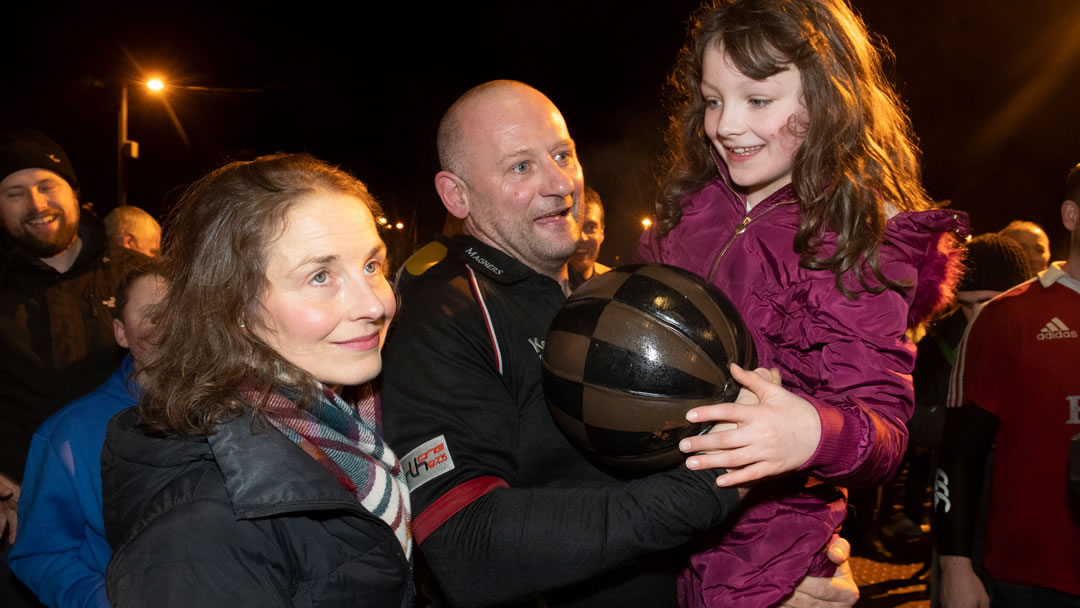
column 126, row 148
column 646, row 222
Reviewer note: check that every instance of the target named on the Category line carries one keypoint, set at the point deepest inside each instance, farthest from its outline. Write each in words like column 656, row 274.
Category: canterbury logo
column 1054, row 330
column 941, row 491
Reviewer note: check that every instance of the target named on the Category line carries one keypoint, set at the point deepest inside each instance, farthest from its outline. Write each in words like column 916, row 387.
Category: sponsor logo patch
column 426, row 462
column 1055, row 330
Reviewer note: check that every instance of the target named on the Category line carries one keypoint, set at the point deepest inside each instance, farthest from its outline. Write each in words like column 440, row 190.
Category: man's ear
column 454, row 193
column 129, row 241
column 120, row 333
column 1070, row 215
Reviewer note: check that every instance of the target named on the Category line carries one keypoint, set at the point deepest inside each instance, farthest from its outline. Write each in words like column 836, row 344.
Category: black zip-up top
column 506, row 510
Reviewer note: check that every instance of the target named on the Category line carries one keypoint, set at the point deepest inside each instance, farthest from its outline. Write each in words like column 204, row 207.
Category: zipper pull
column 741, row 228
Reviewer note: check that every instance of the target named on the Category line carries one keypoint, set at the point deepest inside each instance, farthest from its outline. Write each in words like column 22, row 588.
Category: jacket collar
column 488, row 260
column 255, row 458
column 121, row 384
column 1055, row 273
column 785, row 193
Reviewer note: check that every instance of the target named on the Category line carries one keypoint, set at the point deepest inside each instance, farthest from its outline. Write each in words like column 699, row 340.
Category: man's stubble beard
column 63, row 239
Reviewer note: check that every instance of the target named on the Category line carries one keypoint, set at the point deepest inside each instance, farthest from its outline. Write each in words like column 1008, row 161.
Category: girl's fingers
column 721, row 459
column 742, row 476
column 721, row 412
column 723, row 436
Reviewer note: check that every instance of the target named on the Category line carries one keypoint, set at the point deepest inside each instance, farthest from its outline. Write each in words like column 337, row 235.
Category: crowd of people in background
column 209, row 417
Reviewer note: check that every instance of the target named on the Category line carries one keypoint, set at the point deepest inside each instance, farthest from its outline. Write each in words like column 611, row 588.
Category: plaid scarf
column 347, row 441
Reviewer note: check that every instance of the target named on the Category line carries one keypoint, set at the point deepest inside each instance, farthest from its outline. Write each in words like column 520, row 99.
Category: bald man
column 1033, row 239
column 506, row 509
column 131, row 227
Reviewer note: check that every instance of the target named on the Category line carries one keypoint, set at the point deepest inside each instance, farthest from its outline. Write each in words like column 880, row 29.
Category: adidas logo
column 1055, row 329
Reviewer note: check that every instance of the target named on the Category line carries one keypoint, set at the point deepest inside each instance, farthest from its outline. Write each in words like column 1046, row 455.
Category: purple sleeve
column 866, row 394
column 866, row 362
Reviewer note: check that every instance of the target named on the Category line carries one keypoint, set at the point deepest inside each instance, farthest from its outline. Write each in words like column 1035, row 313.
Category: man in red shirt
column 1016, row 389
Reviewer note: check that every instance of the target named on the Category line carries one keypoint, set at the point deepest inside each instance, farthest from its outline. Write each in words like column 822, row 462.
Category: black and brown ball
column 631, row 352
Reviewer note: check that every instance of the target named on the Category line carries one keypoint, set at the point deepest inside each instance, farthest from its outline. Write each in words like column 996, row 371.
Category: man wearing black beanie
column 57, row 284
column 994, row 263
column 40, row 208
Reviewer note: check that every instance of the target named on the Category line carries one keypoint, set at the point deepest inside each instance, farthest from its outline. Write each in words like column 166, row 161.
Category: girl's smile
column 755, row 125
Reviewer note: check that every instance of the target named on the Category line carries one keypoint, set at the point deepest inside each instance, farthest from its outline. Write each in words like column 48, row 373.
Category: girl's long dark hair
column 859, row 155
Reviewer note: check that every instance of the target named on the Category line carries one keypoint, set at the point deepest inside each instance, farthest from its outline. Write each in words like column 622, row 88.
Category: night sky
column 993, row 89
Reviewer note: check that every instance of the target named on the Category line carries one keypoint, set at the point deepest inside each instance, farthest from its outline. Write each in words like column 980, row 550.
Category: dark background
column 992, row 89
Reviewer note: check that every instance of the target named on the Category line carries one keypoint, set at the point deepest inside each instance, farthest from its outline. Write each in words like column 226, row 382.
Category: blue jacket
column 60, row 551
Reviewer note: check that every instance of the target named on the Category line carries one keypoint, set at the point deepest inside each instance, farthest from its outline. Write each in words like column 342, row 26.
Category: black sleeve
column 513, row 544
column 969, row 438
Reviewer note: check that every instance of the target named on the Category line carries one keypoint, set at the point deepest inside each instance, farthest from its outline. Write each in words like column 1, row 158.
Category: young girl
column 793, row 185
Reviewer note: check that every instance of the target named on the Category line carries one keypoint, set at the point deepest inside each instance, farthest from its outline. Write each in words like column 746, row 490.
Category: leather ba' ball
column 631, row 352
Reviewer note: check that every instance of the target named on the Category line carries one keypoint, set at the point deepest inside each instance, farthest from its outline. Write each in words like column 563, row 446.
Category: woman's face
column 328, row 303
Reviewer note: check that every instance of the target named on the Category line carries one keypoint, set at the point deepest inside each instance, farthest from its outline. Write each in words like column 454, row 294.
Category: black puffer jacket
column 244, row 518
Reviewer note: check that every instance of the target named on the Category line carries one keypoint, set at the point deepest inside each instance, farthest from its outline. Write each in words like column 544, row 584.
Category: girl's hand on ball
column 767, row 431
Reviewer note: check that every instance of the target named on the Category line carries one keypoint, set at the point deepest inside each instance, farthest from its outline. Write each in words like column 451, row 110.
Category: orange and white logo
column 426, row 462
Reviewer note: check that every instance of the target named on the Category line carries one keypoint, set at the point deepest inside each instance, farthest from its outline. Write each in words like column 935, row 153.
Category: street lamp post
column 125, row 148
column 121, row 139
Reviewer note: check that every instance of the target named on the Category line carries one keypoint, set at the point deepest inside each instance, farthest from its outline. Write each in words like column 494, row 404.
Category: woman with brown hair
column 243, row 479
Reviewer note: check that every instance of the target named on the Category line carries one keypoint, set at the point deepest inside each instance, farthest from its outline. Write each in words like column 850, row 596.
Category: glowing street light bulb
column 382, row 220
column 155, row 84
column 646, row 222
column 399, row 225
